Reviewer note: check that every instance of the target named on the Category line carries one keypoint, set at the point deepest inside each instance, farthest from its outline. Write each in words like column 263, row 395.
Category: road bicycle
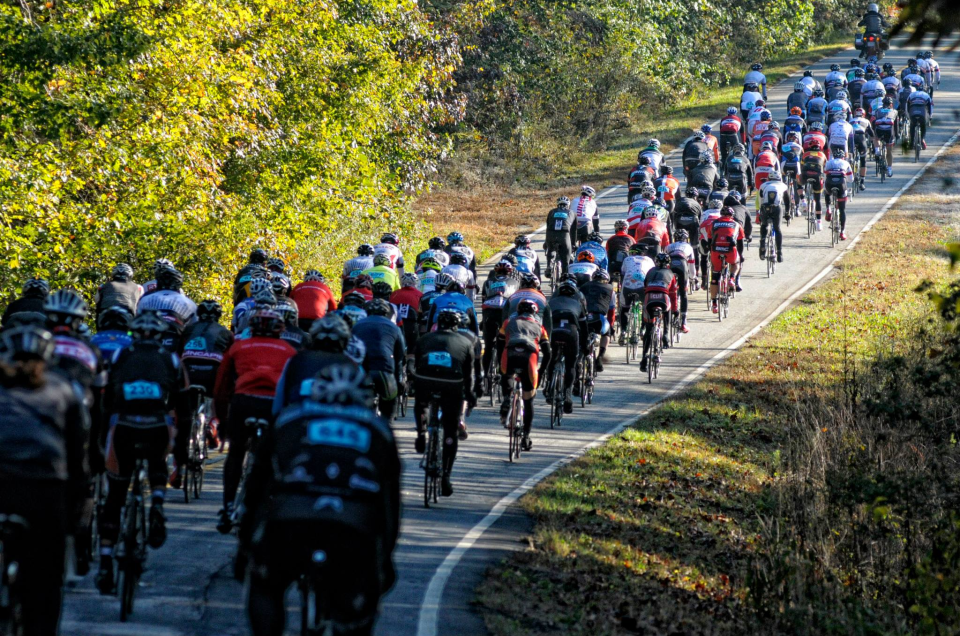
column 432, row 460
column 197, row 450
column 725, row 291
column 656, row 328
column 555, row 383
column 880, row 159
column 555, row 272
column 314, row 611
column 675, row 327
column 12, row 528
column 494, row 390
column 811, row 210
column 131, row 551
column 258, row 426
column 515, row 418
column 770, row 253
column 916, row 140
column 634, row 327
column 588, row 371
column 834, row 213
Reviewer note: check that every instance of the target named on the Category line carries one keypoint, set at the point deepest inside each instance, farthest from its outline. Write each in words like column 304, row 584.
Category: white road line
column 428, row 622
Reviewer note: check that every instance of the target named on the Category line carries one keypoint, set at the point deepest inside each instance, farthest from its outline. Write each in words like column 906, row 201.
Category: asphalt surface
column 188, row 588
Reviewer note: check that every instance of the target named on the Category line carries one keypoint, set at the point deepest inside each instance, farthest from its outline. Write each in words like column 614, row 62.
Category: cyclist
column 890, row 80
column 353, row 267
column 241, row 282
column 692, row 151
column 924, row 71
column 834, row 82
column 840, row 135
column 732, row 132
column 428, row 272
column 712, row 142
column 739, row 169
column 687, row 212
column 816, row 134
column 594, row 245
column 809, row 82
column 650, row 226
column 258, row 288
column 765, row 163
column 453, row 296
column 382, row 270
column 795, row 122
column 598, row 294
column 584, row 268
column 389, row 246
column 839, row 108
column 863, row 137
column 569, row 315
column 775, row 204
column 455, row 244
column 355, row 528
column 704, row 175
column 290, row 315
column 792, row 154
column 710, row 215
column 313, row 298
column 667, row 186
column 756, row 127
column 653, row 153
column 905, row 93
column 920, row 109
column 113, row 333
column 635, row 268
column 755, row 76
column 435, row 249
column 500, row 285
column 660, row 290
column 838, row 173
column 426, row 300
column 444, row 366
column 856, row 85
column 523, row 346
column 885, row 123
column 120, row 291
column 934, row 67
column 386, row 353
column 724, row 239
column 140, row 398
column 587, row 212
column 812, row 170
column 407, row 302
column 617, row 247
column 75, row 359
column 171, row 305
column 43, row 470
column 527, row 259
column 798, row 98
column 872, row 89
column 773, row 136
column 458, row 270
column 641, row 202
column 280, row 284
column 914, row 75
column 28, row 308
column 748, row 99
column 245, row 388
column 683, row 262
column 641, row 174
column 561, row 235
column 816, row 108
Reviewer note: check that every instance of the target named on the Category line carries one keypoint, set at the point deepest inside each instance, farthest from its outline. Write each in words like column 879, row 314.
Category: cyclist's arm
column 224, row 384
column 467, row 372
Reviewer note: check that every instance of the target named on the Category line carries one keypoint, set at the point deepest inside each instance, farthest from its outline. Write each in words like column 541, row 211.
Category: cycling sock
column 158, row 495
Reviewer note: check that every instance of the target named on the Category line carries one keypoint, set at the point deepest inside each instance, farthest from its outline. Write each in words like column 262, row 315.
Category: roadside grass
column 657, row 531
column 490, row 216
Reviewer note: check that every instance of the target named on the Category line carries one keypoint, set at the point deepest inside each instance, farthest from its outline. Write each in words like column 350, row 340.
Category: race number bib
column 141, row 391
column 339, row 433
column 439, row 359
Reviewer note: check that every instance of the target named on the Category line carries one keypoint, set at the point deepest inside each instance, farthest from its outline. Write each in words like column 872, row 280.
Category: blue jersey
column 793, row 123
column 110, row 342
column 599, row 254
column 460, row 302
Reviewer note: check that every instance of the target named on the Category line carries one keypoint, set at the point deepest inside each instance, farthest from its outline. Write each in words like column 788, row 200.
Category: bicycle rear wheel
column 916, row 143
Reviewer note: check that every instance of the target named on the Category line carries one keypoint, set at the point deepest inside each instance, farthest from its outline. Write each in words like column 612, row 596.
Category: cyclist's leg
column 120, row 464
column 549, row 250
column 716, row 263
column 777, row 217
column 491, row 325
column 506, row 386
column 451, row 407
column 764, row 225
column 385, row 385
column 563, row 253
column 241, row 408
column 571, row 349
column 528, row 383
column 647, row 335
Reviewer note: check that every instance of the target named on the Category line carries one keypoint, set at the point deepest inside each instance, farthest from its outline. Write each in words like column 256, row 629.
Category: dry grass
column 662, row 529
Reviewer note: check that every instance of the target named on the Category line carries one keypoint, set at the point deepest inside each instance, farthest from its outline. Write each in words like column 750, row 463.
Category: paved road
column 188, row 589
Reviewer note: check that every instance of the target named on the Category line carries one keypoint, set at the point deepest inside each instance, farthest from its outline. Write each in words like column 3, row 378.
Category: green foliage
column 133, row 129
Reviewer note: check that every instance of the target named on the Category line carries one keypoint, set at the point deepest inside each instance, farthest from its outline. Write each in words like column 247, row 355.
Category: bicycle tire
column 916, row 143
column 583, row 383
column 558, row 393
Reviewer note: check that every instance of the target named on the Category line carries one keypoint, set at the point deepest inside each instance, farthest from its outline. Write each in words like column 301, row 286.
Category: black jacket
column 446, row 358
column 118, row 294
column 31, row 306
column 562, row 224
column 873, row 22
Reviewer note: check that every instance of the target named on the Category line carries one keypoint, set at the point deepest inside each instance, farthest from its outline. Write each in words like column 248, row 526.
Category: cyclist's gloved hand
column 471, row 401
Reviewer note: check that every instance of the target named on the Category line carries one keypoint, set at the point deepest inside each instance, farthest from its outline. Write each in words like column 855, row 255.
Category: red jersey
column 651, row 227
column 250, row 367
column 363, row 291
column 724, row 234
column 313, row 298
column 404, row 298
column 811, row 136
column 731, row 124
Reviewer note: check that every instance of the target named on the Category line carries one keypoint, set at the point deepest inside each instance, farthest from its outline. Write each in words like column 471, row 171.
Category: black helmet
column 834, row 67
column 666, row 170
column 276, row 265
column 855, row 62
column 448, row 320
column 169, row 278
column 391, row 238
column 858, row 73
column 149, row 326
column 662, row 259
column 122, row 272
column 722, row 183
column 454, row 286
column 527, row 307
column 692, row 191
column 522, row 240
column 26, row 342
column 330, row 333
column 601, row 275
column 115, row 318
column 808, row 73
column 382, row 289
column 36, row 287
column 258, row 256
column 595, row 237
column 288, row 311
column 65, row 307
column 568, row 288
column 637, row 248
column 365, row 249
column 437, row 243
column 343, row 384
column 209, row 311
column 378, row 307
column 458, row 258
column 682, row 236
column 529, row 281
column 266, row 321
column 354, row 299
column 757, row 67
column 643, row 160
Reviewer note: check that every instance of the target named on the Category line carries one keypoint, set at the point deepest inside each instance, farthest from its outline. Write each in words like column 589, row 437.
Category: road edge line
column 429, row 614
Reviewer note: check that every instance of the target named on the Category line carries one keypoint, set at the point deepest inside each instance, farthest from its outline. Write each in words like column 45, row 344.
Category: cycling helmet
column 927, row 55
column 365, row 249
column 430, row 264
column 692, row 191
column 258, row 285
column 799, row 86
column 643, row 160
column 443, row 280
column 288, row 311
column 858, row 112
column 699, row 136
column 149, row 326
column 568, row 288
column 647, row 191
column 887, row 102
column 116, row 318
column 522, row 240
column 378, row 307
column 529, row 281
column 454, row 237
column 682, row 236
column 595, row 237
column 409, row 279
column 620, row 226
column 839, row 153
column 587, row 256
column 761, row 102
column 773, row 176
column 437, row 243
column 455, row 287
column 766, row 146
column 637, row 248
column 665, row 171
column 706, row 157
column 588, row 191
column 707, row 129
column 873, row 8
column 793, row 136
column 817, row 125
column 766, row 116
column 36, row 286
column 276, row 265
column 654, row 143
column 796, row 110
column 121, row 272
column 209, row 311
column 169, row 278
column 503, row 268
column 722, row 184
column 65, row 307
column 736, row 196
column 907, row 83
column 774, row 125
column 714, row 204
column 342, row 384
column 757, row 67
column 266, row 297
column 563, row 202
column 382, row 289
column 381, row 260
column 160, row 263
column 448, row 319
column 834, row 67
column 280, row 285
column 855, row 62
column 26, row 342
column 314, row 276
column 527, row 307
column 364, row 281
column 732, row 110
column 887, row 66
column 649, row 212
column 458, row 258
column 510, row 258
column 818, row 92
column 726, row 211
column 662, row 259
column 266, row 322
column 330, row 333
column 808, row 73
column 391, row 238
column 601, row 275
column 740, row 147
column 912, row 63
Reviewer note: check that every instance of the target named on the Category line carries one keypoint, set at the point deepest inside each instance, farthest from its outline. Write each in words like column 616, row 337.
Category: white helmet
column 588, row 191
column 715, row 204
column 773, row 176
column 650, row 212
column 706, row 157
column 873, row 8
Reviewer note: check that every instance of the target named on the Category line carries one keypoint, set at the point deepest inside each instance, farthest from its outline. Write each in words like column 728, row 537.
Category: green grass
column 654, row 532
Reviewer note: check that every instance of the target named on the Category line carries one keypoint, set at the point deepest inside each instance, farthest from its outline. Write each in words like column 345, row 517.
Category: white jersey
column 655, row 157
column 810, row 83
column 838, row 167
column 463, row 276
column 356, row 265
column 463, row 249
column 839, row 134
column 635, row 213
column 391, row 251
column 934, row 71
column 893, row 81
column 861, row 124
column 773, row 193
column 916, row 80
column 835, row 78
column 684, row 251
column 748, row 100
column 586, row 209
column 633, row 271
column 873, row 89
column 755, row 77
column 428, row 280
column 924, row 67
column 169, row 302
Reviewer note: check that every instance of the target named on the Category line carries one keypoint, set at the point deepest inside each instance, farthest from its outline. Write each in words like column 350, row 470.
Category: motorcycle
column 871, row 44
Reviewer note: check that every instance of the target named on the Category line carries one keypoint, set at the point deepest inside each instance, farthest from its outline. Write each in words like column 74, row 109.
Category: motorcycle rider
column 874, row 23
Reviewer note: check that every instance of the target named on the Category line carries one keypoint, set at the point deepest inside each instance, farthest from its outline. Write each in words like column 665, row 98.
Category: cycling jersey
column 714, row 146
column 204, row 345
column 428, row 280
column 795, row 123
column 891, row 81
column 30, row 307
column 497, row 291
column 934, row 71
column 117, row 293
column 384, row 345
column 723, row 235
column 773, row 137
column 459, row 302
column 748, row 100
column 169, row 303
column 392, row 252
column 731, row 124
column 109, row 342
column 527, row 260
column 798, row 99
column 599, row 254
column 313, row 299
column 144, row 380
column 384, row 274
column 586, row 210
column 704, row 176
column 703, row 232
column 438, row 255
column 873, row 89
column 792, row 153
column 617, row 246
column 834, row 79
column 633, row 271
column 838, row 109
column 583, row 271
column 638, row 176
column 838, row 167
column 463, row 276
column 765, row 163
column 816, row 109
column 667, row 187
column 809, row 84
column 561, row 225
column 355, row 266
column 660, row 290
column 758, row 78
column 653, row 228
column 840, row 134
column 682, row 253
column 919, row 103
column 654, row 155
column 773, row 193
column 810, row 137
column 250, row 367
column 885, row 121
column 916, row 79
column 77, row 361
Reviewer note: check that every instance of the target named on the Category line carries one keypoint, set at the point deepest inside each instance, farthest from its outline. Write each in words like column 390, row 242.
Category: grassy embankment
column 491, row 216
column 662, row 530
